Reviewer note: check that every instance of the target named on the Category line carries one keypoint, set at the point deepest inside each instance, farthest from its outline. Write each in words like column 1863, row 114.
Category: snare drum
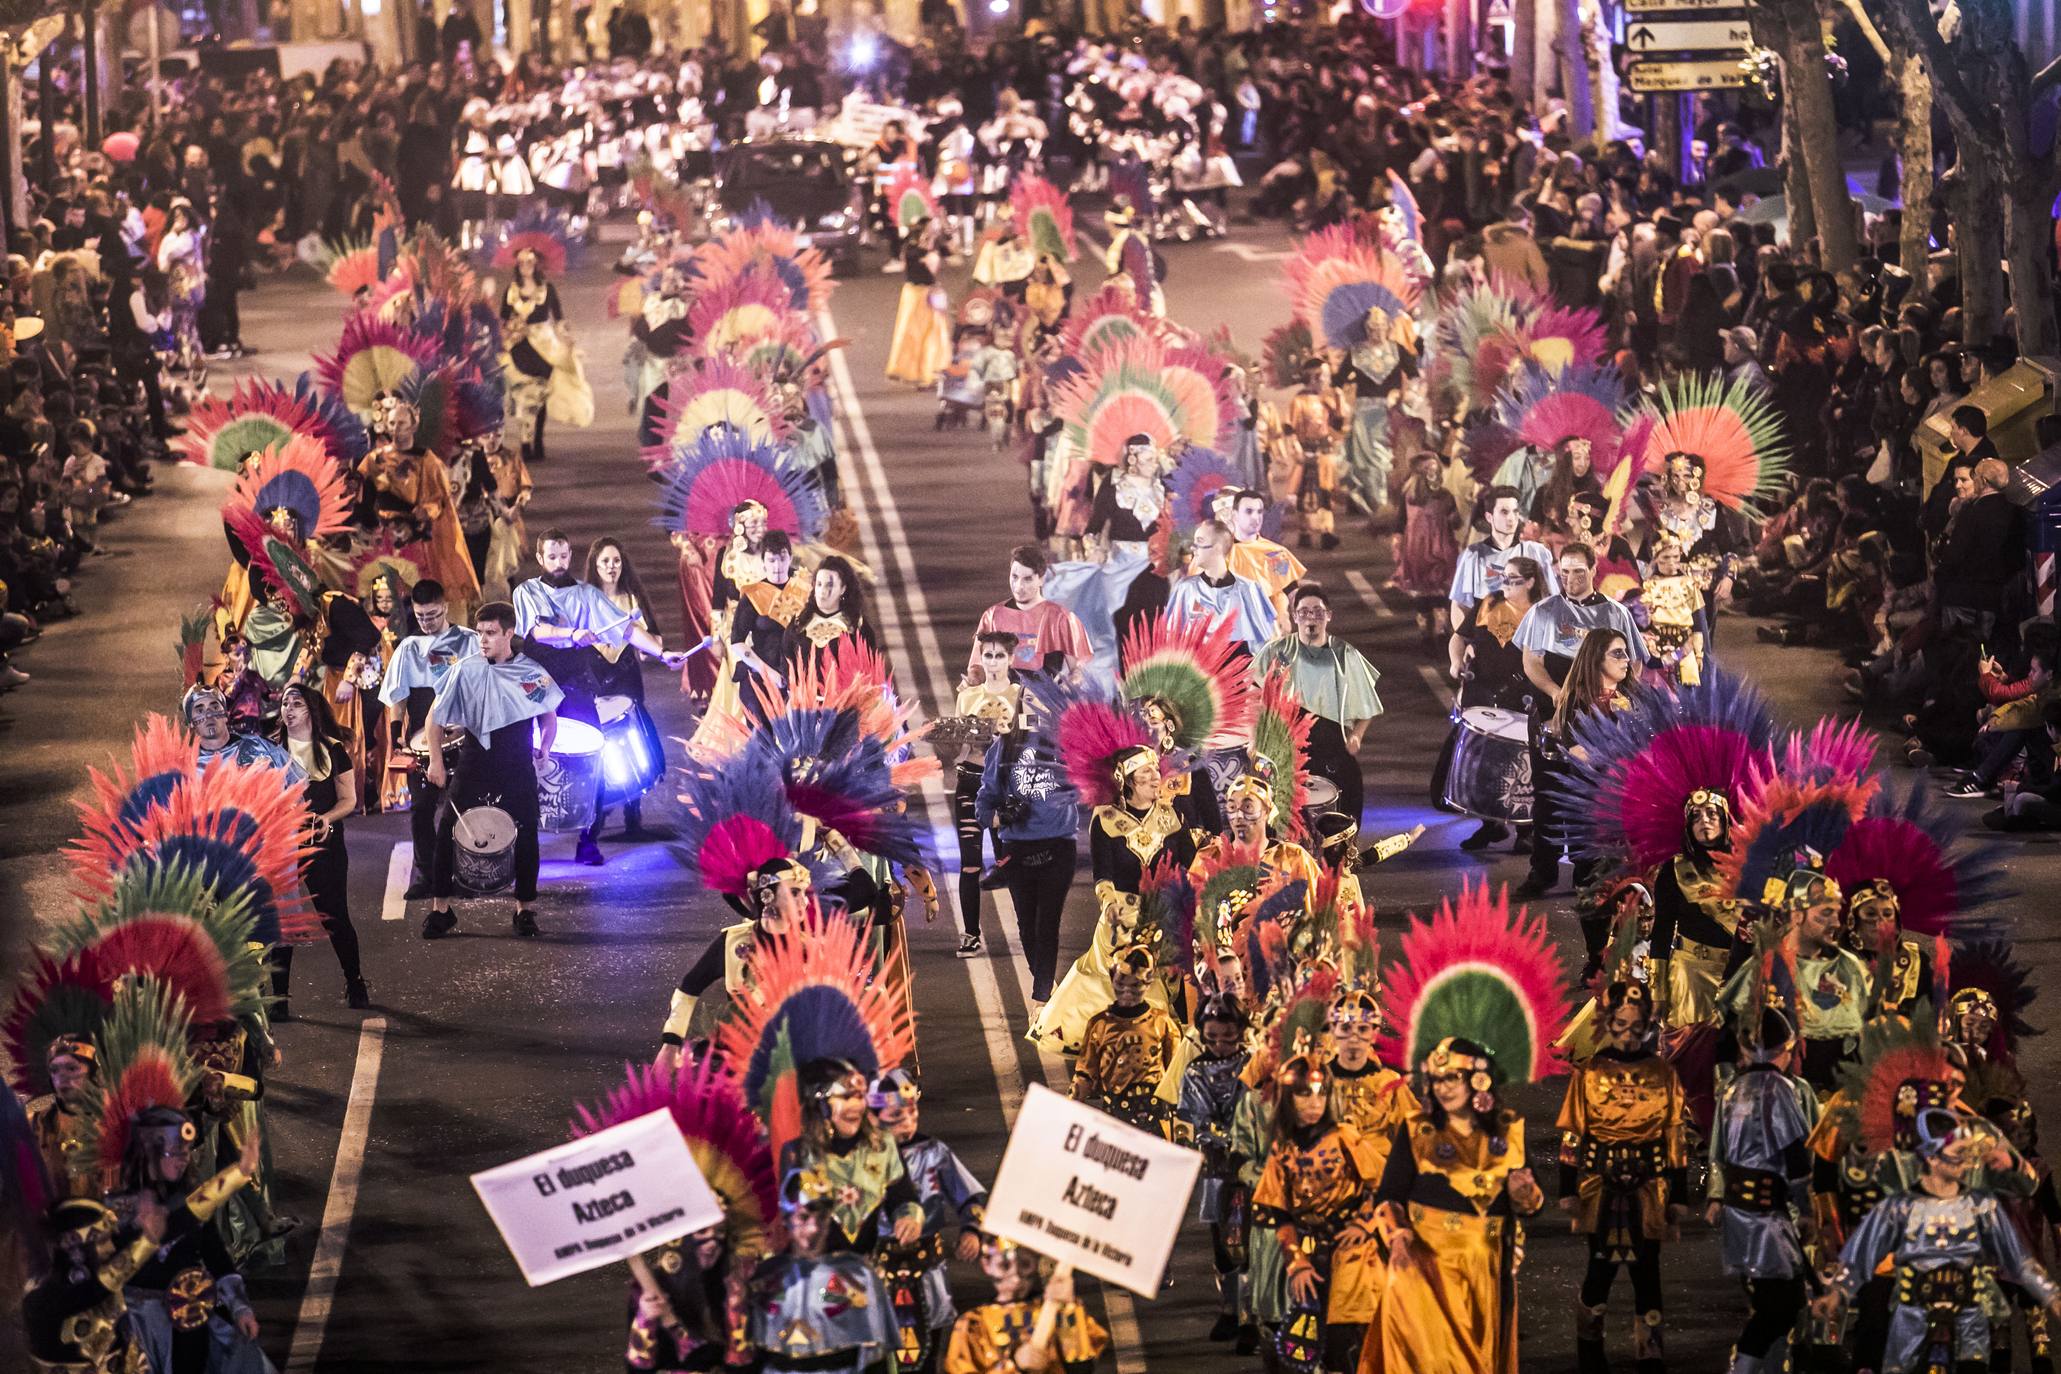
column 1490, row 776
column 483, row 849
column 569, row 782
column 633, row 757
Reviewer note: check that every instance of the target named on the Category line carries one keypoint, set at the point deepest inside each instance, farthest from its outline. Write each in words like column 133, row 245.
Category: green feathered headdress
column 1481, row 972
column 1188, row 678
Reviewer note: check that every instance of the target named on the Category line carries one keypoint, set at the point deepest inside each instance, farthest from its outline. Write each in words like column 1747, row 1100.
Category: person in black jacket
column 1984, row 550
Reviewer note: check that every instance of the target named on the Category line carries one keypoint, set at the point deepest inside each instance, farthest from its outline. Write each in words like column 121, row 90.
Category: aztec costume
column 1127, row 1051
column 989, row 1339
column 542, row 366
column 823, row 1313
column 411, row 478
column 951, row 1197
column 920, row 346
column 1205, row 1107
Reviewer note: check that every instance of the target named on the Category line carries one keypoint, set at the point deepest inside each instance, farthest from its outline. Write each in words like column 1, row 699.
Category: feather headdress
column 737, row 315
column 1881, row 1087
column 1626, row 788
column 349, row 265
column 1193, row 674
column 1788, row 817
column 468, row 336
column 143, row 1063
column 407, row 564
column 547, row 233
column 372, row 356
column 453, row 405
column 1281, row 748
column 1830, row 749
column 714, row 393
column 236, row 826
column 1990, row 965
column 1088, row 732
column 1130, row 190
column 194, row 630
column 1561, row 337
column 737, row 819
column 771, row 249
column 1104, row 321
column 1479, row 971
column 1479, row 333
column 1729, row 424
column 1337, row 280
column 1409, row 217
column 1298, row 1028
column 724, row 1137
column 1199, row 476
column 1044, row 217
column 1284, row 351
column 55, row 995
column 813, row 996
column 1545, row 409
column 707, row 480
column 840, row 779
column 1908, row 841
column 297, row 475
column 162, row 922
column 1139, row 388
column 909, row 198
column 275, row 561
column 852, row 676
column 259, row 415
column 161, row 756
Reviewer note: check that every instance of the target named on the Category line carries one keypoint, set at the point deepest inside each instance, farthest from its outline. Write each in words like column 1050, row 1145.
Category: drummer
column 1333, row 683
column 416, row 673
column 1489, row 666
column 509, row 705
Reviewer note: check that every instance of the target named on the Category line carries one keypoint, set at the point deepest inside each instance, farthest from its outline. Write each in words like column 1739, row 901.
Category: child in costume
column 1128, row 1048
column 1034, row 1325
column 1623, row 1167
column 874, row 1200
column 817, row 1308
column 1209, row 1095
column 950, row 1195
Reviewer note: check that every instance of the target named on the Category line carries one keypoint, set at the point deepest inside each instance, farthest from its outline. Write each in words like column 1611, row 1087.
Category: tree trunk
column 1796, row 186
column 1808, row 90
column 1574, row 72
column 89, row 26
column 2029, row 249
column 1914, row 154
column 1978, row 231
column 1666, row 123
column 1523, row 67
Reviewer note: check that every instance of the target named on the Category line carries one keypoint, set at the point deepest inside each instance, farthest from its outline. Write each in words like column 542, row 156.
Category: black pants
column 511, row 796
column 1644, row 1267
column 327, row 873
column 1774, row 1304
column 425, row 799
column 140, row 369
column 965, row 787
column 476, row 549
column 1040, row 874
column 1332, row 760
column 1549, row 829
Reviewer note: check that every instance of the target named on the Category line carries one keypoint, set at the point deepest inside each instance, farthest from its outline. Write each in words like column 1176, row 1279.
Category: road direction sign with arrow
column 1687, row 35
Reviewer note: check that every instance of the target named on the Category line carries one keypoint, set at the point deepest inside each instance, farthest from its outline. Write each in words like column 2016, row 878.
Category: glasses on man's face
column 1313, row 613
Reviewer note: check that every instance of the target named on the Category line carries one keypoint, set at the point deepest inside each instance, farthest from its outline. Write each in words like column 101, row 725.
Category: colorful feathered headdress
column 406, row 564
column 1902, row 1068
column 1189, row 676
column 714, row 393
column 1479, row 971
column 813, row 996
column 738, row 315
column 547, row 233
column 296, row 475
column 349, row 265
column 852, row 676
column 453, row 405
column 1284, row 352
column 1635, row 771
column 1729, row 425
column 1480, row 331
column 259, row 415
column 1335, row 280
column 839, row 778
column 1789, row 817
column 1105, row 320
column 194, row 630
column 1909, row 842
column 768, row 248
column 724, row 1137
column 1545, row 409
column 1088, row 732
column 1139, row 387
column 275, row 560
column 1989, row 965
column 236, row 826
column 1044, row 217
column 143, row 1064
column 737, row 819
column 372, row 356
column 1298, row 1028
column 909, row 198
column 55, row 995
column 1200, row 475
column 161, row 756
column 1829, row 749
column 162, row 922
column 707, row 480
column 1281, row 749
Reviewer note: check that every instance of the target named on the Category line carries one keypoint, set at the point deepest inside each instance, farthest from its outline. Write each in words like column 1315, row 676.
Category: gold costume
column 985, row 1340
column 1125, row 1056
column 1622, row 1120
column 1310, row 1195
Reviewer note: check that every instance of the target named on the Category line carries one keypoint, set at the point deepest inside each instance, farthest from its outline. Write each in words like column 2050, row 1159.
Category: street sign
column 1660, row 78
column 1660, row 6
column 1688, row 35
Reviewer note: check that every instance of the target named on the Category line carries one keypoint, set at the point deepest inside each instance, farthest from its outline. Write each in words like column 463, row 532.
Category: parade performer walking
column 1033, row 1324
column 508, row 704
column 1335, row 684
column 414, row 675
column 815, row 1309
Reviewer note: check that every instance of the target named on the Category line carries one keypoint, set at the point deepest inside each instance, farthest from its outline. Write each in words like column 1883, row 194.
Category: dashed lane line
column 327, row 1267
column 393, row 903
column 1367, row 592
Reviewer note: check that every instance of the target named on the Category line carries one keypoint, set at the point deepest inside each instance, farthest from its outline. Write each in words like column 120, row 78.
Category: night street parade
column 1001, row 687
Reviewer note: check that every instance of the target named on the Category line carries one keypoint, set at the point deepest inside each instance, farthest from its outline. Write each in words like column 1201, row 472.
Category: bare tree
column 1914, row 158
column 1793, row 29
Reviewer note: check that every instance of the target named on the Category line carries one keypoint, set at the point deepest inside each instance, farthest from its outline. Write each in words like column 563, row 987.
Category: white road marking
column 313, row 1322
column 928, row 659
column 393, row 906
column 1248, row 253
column 1368, row 593
column 1436, row 681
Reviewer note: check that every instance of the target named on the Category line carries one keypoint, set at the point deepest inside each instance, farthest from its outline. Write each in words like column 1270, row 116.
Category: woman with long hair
column 836, row 610
column 182, row 257
column 310, row 735
column 921, row 344
column 841, row 1136
column 618, row 668
column 544, row 375
column 1596, row 683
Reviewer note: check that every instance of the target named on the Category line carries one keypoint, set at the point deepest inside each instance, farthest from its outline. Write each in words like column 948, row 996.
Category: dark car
column 809, row 184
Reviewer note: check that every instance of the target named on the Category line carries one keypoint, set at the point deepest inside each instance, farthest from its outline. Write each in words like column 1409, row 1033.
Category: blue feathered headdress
column 723, row 468
column 839, row 777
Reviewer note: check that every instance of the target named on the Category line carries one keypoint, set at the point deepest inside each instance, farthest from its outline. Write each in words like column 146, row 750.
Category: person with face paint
column 206, row 713
column 1000, row 1337
column 835, row 612
column 1902, row 970
column 1128, row 1046
column 774, row 897
column 818, row 1308
column 874, row 1199
column 1942, row 1238
column 1694, row 925
column 951, row 1196
column 402, row 472
column 759, row 618
column 1834, row 987
column 57, row 1118
column 1673, row 606
column 1623, row 1170
column 1211, row 1087
column 1249, row 827
column 697, row 1326
column 996, row 701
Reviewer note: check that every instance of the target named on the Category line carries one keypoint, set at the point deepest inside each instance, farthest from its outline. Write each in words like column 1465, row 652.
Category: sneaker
column 525, row 923
column 11, row 676
column 356, row 995
column 438, row 924
column 969, row 946
column 589, row 853
column 1488, row 834
column 1967, row 791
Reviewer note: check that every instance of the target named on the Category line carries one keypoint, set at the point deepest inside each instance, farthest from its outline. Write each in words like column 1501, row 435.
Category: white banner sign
column 598, row 1199
column 1081, row 1186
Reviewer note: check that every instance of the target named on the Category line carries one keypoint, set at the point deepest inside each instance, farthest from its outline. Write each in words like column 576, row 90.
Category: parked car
column 808, row 184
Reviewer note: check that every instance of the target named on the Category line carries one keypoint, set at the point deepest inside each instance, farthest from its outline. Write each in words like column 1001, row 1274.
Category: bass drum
column 633, row 757
column 1490, row 775
column 483, row 850
column 569, row 782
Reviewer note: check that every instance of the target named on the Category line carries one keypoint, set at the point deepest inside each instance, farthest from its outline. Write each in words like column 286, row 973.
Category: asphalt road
column 478, row 1047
